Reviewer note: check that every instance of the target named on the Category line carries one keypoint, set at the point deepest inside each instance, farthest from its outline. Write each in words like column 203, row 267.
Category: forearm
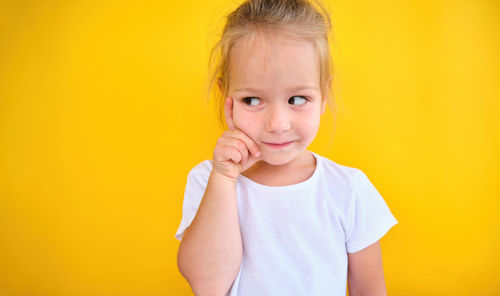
column 371, row 293
column 366, row 290
column 210, row 252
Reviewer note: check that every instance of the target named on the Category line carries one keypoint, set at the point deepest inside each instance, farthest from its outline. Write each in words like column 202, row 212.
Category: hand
column 231, row 153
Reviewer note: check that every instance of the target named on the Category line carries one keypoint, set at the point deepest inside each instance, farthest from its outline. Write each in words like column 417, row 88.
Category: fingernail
column 257, row 153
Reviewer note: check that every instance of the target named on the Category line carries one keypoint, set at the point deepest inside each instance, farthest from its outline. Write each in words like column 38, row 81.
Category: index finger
column 228, row 111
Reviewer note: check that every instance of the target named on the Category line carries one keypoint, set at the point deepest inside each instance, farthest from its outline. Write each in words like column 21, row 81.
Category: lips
column 278, row 145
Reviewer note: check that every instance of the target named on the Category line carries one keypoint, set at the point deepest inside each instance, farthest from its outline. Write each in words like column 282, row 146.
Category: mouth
column 278, row 145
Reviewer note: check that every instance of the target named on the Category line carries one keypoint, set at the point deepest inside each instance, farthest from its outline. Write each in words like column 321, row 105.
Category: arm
column 210, row 252
column 365, row 275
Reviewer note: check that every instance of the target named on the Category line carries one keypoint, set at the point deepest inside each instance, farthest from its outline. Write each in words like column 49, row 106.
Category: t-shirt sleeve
column 196, row 184
column 369, row 217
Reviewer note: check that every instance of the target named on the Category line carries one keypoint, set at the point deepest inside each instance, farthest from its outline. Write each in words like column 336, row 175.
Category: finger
column 242, row 148
column 228, row 111
column 232, row 153
column 252, row 146
column 236, row 142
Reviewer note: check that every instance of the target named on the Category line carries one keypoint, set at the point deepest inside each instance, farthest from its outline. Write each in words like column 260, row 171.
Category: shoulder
column 337, row 174
column 201, row 171
column 202, row 167
column 341, row 183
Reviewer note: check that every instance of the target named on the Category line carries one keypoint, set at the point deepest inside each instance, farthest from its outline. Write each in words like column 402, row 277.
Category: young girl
column 266, row 216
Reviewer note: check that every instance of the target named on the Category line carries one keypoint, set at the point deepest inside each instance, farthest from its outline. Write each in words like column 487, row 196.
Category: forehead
column 273, row 61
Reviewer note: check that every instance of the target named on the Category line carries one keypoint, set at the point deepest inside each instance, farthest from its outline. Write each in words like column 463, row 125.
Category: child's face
column 280, row 80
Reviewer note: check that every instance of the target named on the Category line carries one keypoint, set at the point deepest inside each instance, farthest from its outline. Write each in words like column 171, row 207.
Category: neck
column 302, row 160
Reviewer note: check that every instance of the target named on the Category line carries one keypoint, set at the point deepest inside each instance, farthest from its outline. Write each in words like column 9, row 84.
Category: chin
column 278, row 159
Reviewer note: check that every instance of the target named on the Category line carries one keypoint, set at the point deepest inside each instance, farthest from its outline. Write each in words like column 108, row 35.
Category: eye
column 301, row 99
column 249, row 99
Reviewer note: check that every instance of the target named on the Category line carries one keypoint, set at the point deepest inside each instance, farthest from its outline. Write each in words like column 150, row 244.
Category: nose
column 278, row 120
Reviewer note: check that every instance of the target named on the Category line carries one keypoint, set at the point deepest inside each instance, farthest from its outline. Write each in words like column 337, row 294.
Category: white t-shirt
column 296, row 237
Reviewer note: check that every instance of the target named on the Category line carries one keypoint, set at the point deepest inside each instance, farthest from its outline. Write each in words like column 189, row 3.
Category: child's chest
column 298, row 230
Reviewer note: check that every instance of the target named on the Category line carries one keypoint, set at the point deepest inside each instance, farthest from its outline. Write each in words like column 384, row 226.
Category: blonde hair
column 301, row 19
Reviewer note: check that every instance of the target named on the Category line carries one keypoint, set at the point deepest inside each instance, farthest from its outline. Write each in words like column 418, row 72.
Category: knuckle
column 234, row 150
column 241, row 145
column 237, row 156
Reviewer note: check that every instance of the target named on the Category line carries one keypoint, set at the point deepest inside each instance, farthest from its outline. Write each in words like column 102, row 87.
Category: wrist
column 220, row 177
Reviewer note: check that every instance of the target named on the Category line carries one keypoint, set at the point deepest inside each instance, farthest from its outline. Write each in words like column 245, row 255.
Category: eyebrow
column 295, row 88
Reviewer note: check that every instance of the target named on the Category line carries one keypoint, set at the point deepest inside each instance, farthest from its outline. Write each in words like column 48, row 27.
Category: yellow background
column 101, row 119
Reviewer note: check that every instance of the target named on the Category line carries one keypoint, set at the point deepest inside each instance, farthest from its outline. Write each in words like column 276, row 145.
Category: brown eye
column 300, row 99
column 248, row 101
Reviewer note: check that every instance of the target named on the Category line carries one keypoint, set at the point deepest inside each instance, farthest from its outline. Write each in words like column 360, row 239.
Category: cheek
column 311, row 123
column 245, row 121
